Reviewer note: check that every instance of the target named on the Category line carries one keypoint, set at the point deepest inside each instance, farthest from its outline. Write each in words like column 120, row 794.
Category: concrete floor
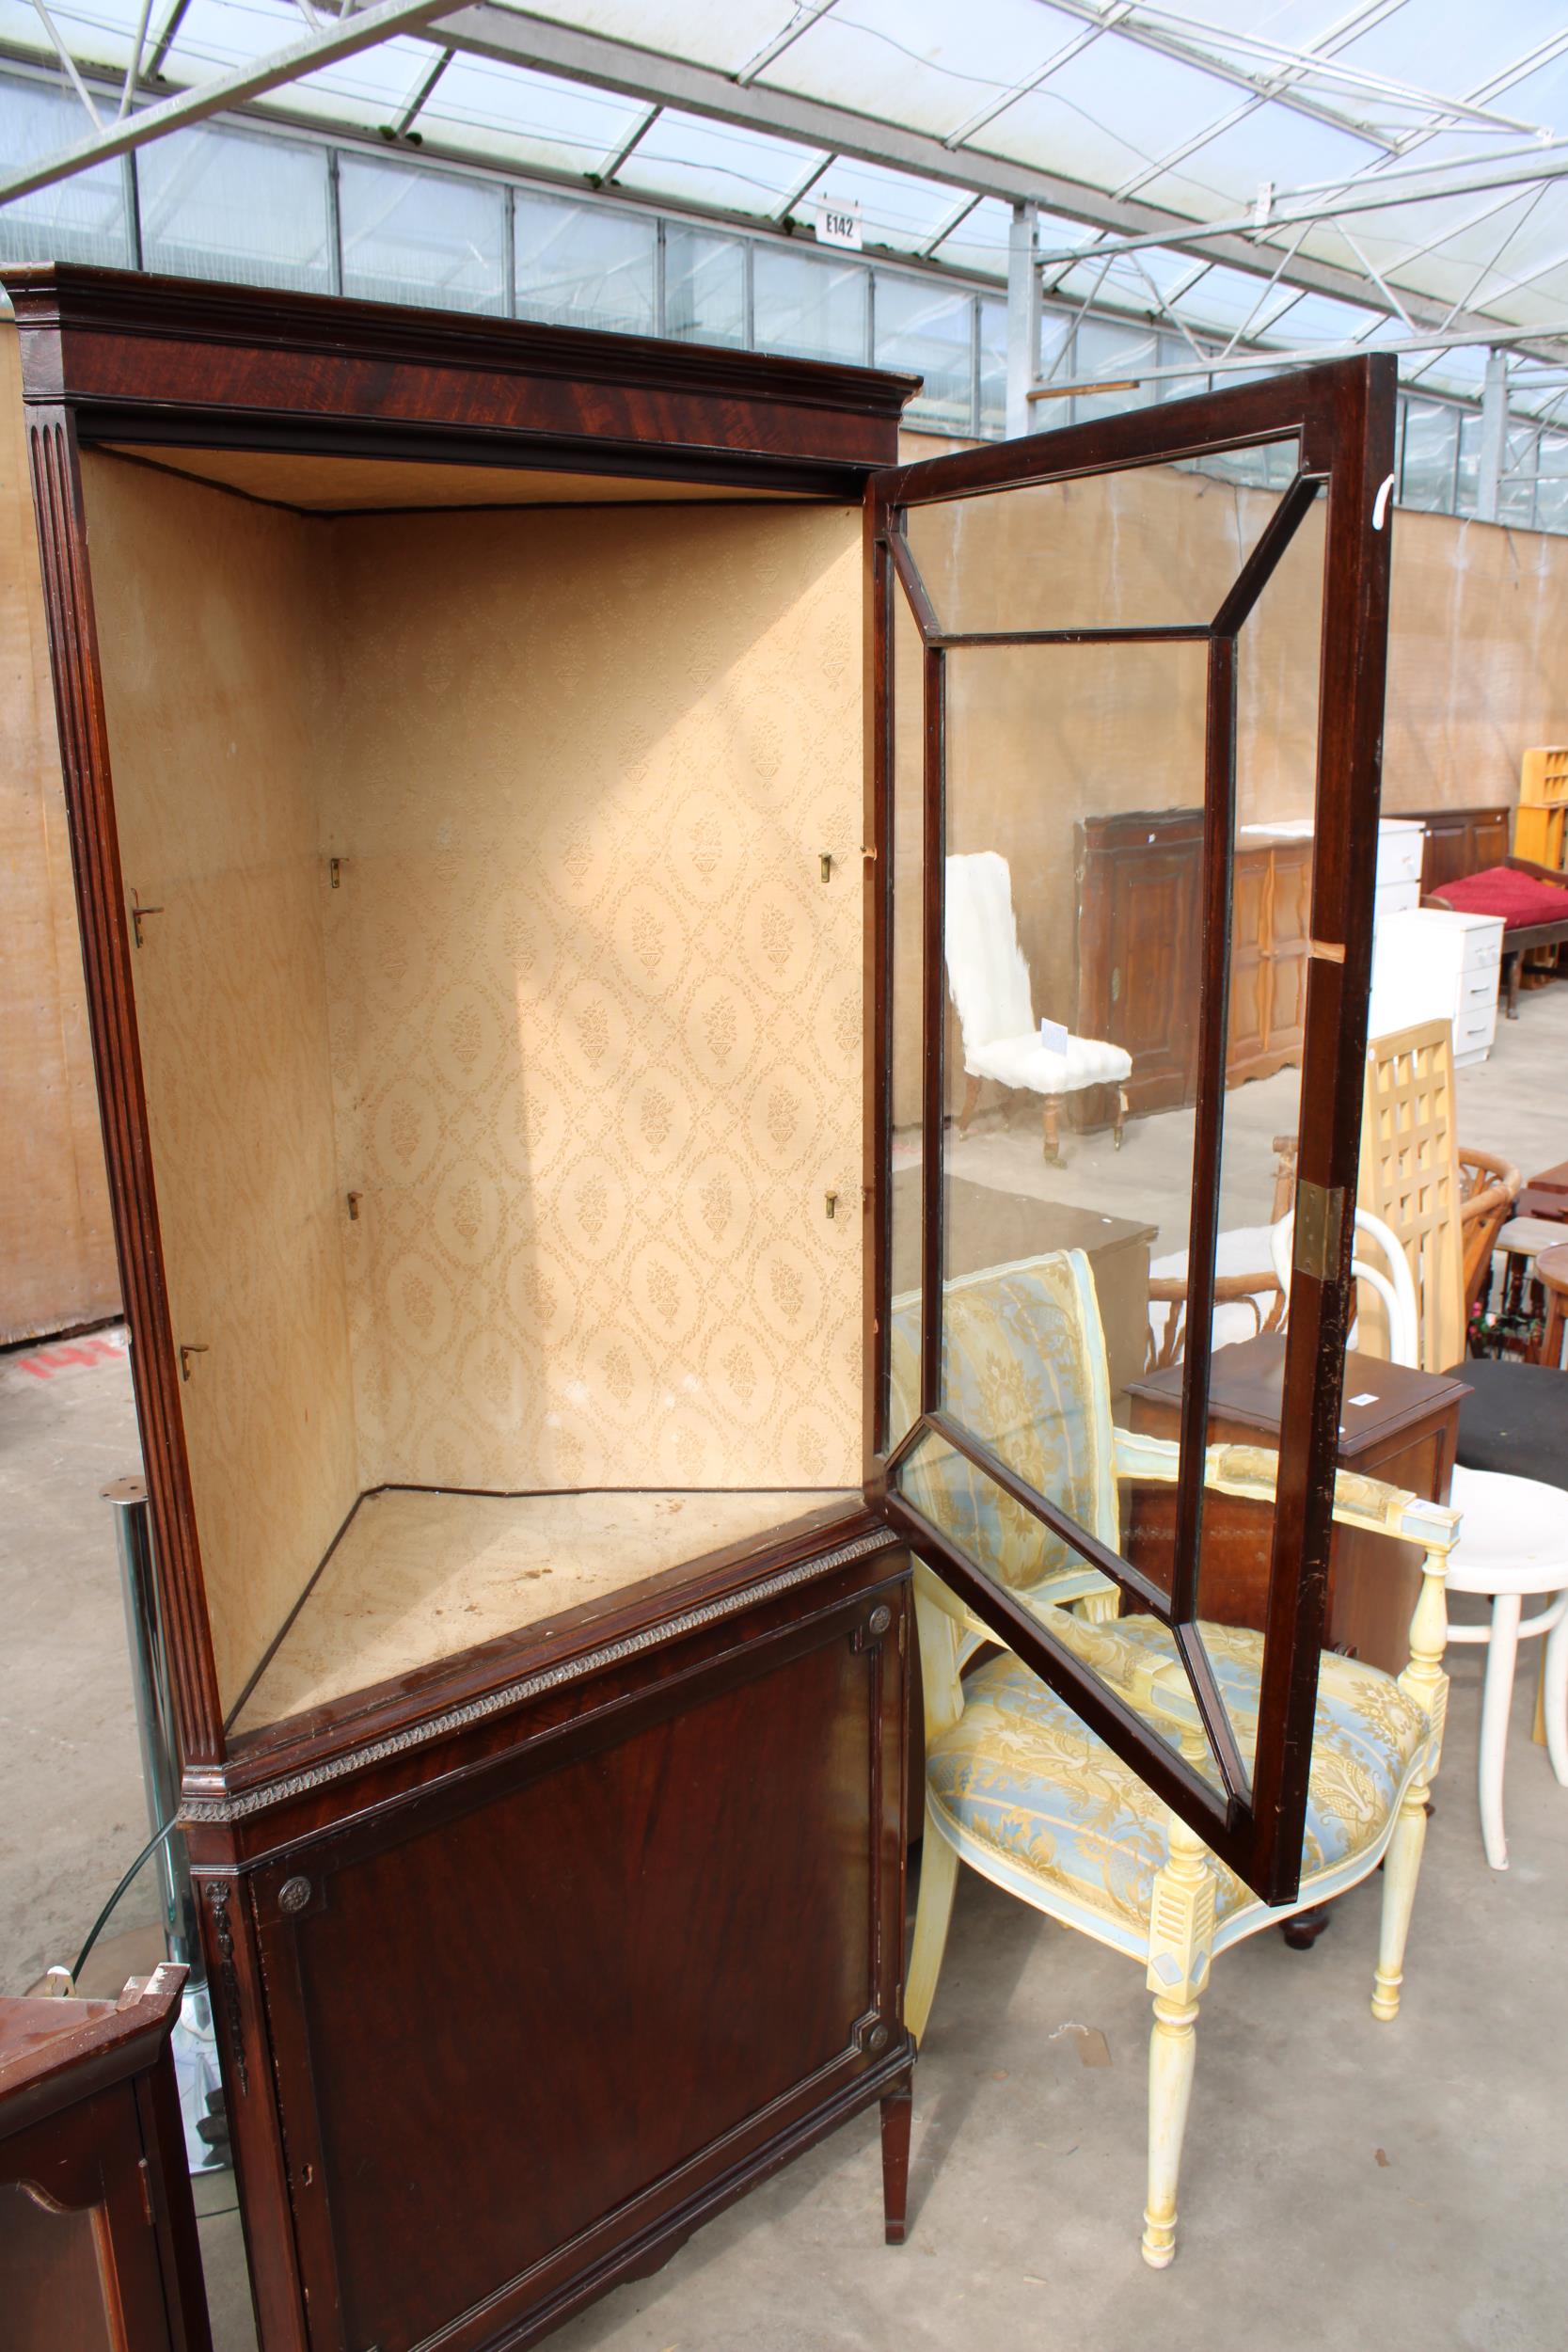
column 1345, row 2185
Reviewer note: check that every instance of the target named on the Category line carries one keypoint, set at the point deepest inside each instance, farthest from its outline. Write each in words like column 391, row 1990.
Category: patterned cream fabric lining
column 596, row 1034
column 580, row 1022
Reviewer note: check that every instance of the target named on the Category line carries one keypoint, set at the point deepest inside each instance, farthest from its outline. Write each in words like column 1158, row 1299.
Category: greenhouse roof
column 1301, row 174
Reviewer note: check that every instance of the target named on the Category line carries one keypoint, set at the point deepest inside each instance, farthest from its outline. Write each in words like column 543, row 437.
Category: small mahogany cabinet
column 510, row 772
column 98, row 2246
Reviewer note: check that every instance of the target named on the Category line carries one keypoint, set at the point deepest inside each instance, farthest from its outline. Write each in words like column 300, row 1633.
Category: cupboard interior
column 500, row 1032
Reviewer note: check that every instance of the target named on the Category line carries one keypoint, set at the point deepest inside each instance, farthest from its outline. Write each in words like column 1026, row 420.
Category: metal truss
column 1275, row 241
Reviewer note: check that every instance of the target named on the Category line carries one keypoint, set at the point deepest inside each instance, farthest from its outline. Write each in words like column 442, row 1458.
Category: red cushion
column 1519, row 899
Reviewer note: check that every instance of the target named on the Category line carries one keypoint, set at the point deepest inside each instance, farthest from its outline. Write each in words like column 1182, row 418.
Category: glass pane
column 1115, row 353
column 810, row 309
column 1277, row 670
column 1551, row 491
column 704, row 286
column 1144, row 546
column 1132, row 1659
column 80, row 219
column 52, row 2289
column 993, row 369
column 222, row 203
column 1469, row 465
column 928, row 328
column 585, row 264
column 1431, row 448
column 413, row 235
column 1517, row 490
column 905, row 1058
column 1073, row 951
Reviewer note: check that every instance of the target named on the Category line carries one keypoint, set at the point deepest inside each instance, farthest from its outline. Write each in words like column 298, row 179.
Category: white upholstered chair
column 1514, row 1546
column 1020, row 1790
column 989, row 983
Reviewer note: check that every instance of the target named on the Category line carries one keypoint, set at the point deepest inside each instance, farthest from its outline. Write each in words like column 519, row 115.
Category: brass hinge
column 144, row 2172
column 1319, row 1226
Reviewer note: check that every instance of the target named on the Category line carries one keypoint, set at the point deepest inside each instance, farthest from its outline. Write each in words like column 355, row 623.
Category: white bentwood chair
column 1514, row 1547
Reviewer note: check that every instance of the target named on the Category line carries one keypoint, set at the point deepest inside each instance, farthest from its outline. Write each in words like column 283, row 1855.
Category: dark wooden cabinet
column 98, row 2246
column 475, row 1031
column 513, row 2003
column 1140, row 946
column 469, row 756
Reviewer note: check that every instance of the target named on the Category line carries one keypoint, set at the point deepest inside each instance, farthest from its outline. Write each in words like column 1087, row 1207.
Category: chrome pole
column 155, row 1726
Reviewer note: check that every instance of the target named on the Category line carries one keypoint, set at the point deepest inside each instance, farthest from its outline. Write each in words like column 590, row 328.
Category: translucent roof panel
column 1169, row 113
column 517, row 116
column 715, row 165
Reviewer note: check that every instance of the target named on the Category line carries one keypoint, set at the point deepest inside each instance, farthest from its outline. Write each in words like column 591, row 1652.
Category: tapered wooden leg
column 898, row 2109
column 1402, row 1868
column 971, row 1096
column 933, row 1912
column 1553, row 1697
column 1495, row 1698
column 1172, row 2056
column 1120, row 1119
column 1181, row 1937
column 1052, row 1132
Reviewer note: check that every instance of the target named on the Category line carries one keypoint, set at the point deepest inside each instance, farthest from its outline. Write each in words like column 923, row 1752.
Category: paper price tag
column 1053, row 1036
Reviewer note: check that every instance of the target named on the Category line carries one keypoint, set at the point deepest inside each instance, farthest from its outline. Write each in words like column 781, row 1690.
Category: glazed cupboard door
column 1072, row 637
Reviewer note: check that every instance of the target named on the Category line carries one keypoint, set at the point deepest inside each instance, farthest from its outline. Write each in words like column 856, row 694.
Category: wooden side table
column 1396, row 1425
column 1551, row 1272
column 987, row 1228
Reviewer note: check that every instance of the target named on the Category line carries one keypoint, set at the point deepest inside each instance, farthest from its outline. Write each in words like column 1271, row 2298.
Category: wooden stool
column 1551, row 1272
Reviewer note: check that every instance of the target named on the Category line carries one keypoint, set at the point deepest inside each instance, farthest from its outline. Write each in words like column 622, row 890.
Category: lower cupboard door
column 522, row 2027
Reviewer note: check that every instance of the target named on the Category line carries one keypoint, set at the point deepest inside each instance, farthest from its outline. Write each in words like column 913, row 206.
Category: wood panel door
column 1139, row 944
column 619, row 1970
column 1290, row 947
column 1251, row 979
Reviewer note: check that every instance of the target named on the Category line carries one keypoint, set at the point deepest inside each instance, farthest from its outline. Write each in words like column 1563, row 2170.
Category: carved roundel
column 293, row 1895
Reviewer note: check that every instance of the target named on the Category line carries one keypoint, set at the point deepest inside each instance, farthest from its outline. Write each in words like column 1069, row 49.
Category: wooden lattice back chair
column 1410, row 1179
column 1488, row 1183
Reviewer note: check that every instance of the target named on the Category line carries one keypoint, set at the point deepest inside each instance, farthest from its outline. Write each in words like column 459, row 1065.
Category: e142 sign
column 839, row 224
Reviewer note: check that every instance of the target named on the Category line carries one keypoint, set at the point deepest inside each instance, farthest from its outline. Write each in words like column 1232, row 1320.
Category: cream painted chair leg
column 1495, row 1707
column 1553, row 1696
column 1402, row 1868
column 933, row 1912
column 1181, row 1938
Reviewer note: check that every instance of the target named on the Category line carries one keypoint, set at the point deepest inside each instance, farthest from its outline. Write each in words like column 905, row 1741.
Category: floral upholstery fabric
column 1024, row 1369
column 1020, row 1775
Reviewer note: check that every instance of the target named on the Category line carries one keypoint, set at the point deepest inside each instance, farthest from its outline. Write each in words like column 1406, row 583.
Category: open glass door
column 1126, row 712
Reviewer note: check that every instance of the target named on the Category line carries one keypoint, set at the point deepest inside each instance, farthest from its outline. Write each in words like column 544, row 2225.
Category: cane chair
column 1020, row 1790
column 1514, row 1547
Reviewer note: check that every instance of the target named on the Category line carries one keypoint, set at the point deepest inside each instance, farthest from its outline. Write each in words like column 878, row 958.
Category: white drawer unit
column 1400, row 842
column 1430, row 965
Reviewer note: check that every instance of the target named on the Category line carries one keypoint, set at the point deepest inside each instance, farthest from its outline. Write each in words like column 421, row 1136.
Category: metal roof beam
column 345, row 39
column 512, row 37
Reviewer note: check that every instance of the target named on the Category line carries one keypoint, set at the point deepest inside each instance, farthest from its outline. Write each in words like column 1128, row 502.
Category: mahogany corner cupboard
column 518, row 782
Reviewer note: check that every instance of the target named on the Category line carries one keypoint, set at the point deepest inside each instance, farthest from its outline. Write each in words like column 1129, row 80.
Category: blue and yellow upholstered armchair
column 1022, row 1790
